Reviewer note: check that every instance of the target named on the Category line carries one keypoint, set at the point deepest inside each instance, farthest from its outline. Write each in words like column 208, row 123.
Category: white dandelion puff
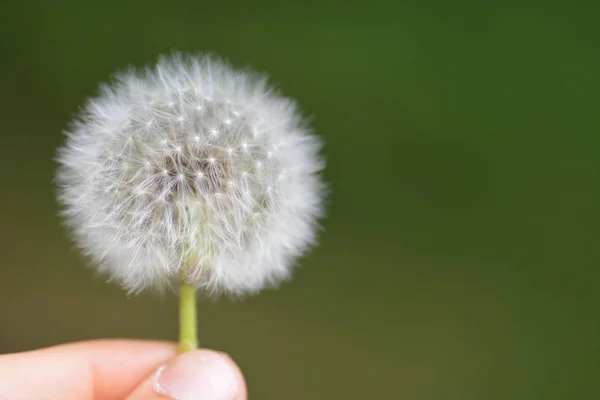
column 179, row 170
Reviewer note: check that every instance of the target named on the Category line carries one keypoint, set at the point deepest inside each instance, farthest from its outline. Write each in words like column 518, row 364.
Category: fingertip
column 199, row 374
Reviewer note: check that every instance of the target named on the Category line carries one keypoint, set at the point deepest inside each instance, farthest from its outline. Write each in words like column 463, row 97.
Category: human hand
column 119, row 369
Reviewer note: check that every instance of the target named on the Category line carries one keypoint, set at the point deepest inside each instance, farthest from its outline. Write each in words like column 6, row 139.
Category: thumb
column 196, row 375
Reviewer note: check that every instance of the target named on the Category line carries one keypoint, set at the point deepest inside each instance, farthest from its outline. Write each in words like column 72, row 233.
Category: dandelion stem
column 188, row 337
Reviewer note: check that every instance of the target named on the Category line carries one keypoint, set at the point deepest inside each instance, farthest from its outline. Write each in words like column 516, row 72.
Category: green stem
column 188, row 337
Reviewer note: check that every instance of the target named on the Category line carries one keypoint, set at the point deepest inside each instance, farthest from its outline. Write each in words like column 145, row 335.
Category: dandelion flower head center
column 206, row 169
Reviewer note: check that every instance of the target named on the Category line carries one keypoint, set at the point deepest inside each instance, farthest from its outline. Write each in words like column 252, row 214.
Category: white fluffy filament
column 191, row 165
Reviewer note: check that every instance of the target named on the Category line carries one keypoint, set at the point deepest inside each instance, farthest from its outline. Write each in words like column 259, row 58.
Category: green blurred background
column 459, row 259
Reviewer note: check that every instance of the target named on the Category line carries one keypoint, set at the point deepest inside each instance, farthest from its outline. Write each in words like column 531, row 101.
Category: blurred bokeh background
column 460, row 258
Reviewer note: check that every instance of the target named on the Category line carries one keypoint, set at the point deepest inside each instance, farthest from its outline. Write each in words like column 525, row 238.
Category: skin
column 94, row 370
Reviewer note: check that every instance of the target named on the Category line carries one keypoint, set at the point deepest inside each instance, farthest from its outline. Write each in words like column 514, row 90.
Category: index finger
column 98, row 369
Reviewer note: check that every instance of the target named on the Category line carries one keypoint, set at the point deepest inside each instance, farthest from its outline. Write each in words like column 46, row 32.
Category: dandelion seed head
column 157, row 181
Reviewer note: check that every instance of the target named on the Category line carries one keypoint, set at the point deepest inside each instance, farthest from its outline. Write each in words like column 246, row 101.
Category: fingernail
column 197, row 376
